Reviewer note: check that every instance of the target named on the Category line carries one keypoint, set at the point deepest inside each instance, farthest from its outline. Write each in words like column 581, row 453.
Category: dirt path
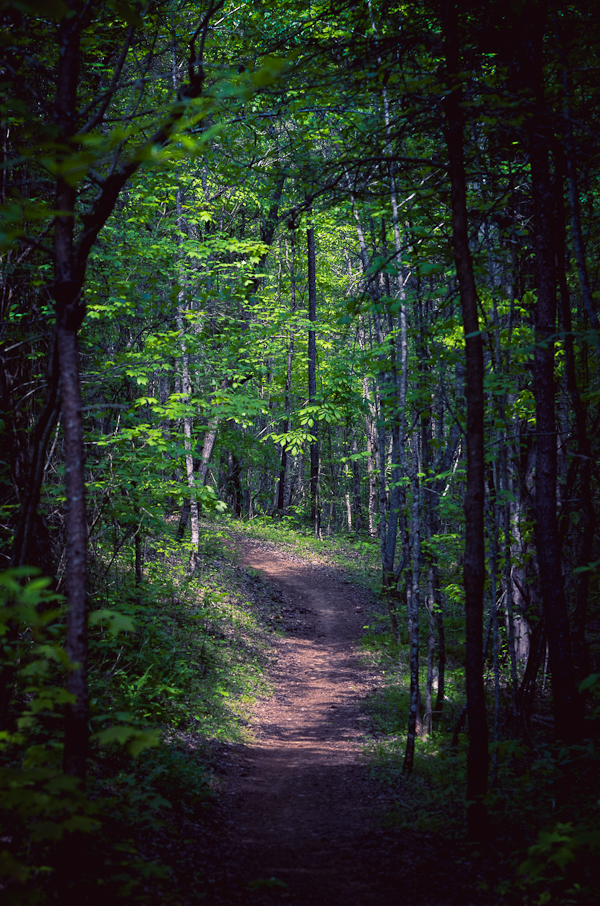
column 302, row 814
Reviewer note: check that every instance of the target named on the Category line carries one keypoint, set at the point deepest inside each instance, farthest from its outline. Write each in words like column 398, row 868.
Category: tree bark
column 234, row 482
column 428, row 716
column 201, row 465
column 474, row 562
column 434, row 584
column 76, row 724
column 371, row 460
column 584, row 460
column 414, row 717
column 575, row 207
column 312, row 380
column 186, row 387
column 70, row 311
column 356, row 498
column 284, row 471
column 566, row 702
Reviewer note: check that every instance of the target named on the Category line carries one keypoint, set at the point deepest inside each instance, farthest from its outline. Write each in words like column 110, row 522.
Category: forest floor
column 299, row 817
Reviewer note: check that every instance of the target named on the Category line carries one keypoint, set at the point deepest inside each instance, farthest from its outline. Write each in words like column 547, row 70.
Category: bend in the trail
column 302, row 815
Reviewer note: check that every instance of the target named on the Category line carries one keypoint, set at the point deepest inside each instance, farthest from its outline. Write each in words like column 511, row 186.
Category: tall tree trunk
column 576, row 231
column 428, row 716
column 356, row 499
column 566, row 702
column 69, row 316
column 399, row 362
column 315, row 514
column 348, row 498
column 371, row 460
column 374, row 449
column 201, row 465
column 584, row 460
column 493, row 535
column 191, row 503
column 76, row 724
column 414, row 716
column 474, row 562
column 284, row 472
column 434, row 590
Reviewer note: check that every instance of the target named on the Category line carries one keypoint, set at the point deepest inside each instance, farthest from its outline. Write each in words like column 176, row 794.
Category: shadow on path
column 302, row 816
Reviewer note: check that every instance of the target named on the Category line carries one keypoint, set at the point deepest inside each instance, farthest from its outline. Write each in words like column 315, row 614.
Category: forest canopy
column 330, row 264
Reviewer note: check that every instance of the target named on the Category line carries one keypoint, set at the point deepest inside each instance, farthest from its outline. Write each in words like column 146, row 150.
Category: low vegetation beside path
column 176, row 664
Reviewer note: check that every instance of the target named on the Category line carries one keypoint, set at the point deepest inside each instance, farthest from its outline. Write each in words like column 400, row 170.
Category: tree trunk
column 574, row 203
column 566, row 702
column 414, row 717
column 201, row 465
column 584, row 460
column 76, row 723
column 348, row 498
column 493, row 535
column 234, row 482
column 69, row 316
column 371, row 460
column 474, row 562
column 356, row 499
column 434, row 585
column 312, row 380
column 537, row 651
column 428, row 716
column 192, row 504
column 284, row 471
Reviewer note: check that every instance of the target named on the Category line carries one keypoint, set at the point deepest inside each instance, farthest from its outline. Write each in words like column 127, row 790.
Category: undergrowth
column 354, row 555
column 175, row 667
column 543, row 802
column 543, row 805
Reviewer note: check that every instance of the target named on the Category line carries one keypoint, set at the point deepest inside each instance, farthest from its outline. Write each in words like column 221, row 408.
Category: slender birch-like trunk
column 186, row 390
column 414, row 715
column 285, row 472
column 371, row 438
column 428, row 715
column 493, row 536
column 315, row 513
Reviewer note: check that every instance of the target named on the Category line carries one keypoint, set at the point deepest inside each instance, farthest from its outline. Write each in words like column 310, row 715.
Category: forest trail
column 302, row 816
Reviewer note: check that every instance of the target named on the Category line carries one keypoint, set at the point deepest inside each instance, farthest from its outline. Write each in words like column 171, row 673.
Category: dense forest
column 331, row 268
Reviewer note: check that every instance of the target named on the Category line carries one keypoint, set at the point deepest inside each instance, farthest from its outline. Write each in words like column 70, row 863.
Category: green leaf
column 127, row 12
column 271, row 69
column 135, row 740
column 45, row 9
column 592, row 680
column 117, row 622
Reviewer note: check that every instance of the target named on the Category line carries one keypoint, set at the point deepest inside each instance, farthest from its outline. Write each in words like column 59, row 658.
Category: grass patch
column 358, row 557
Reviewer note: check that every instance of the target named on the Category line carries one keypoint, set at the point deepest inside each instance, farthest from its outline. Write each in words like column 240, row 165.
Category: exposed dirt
column 300, row 816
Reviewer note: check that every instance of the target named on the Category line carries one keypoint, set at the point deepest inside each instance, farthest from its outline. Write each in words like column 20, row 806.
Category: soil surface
column 301, row 818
